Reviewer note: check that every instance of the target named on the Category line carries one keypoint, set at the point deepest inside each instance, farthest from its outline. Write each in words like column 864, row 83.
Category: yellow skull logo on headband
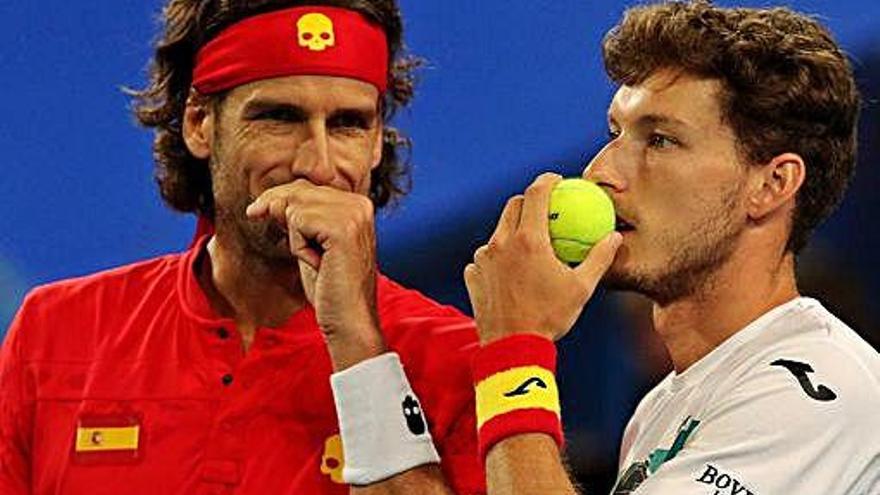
column 315, row 32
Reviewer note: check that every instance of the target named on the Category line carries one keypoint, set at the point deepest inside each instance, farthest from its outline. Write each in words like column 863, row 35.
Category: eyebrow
column 654, row 120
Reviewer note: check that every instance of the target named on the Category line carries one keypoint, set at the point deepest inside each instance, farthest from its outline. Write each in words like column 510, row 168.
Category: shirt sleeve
column 770, row 437
column 440, row 374
column 16, row 413
column 462, row 465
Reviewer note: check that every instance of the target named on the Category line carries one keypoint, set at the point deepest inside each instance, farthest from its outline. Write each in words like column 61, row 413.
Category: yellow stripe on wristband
column 527, row 387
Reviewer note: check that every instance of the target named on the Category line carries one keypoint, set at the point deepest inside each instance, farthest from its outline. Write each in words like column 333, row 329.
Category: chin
column 620, row 281
column 658, row 288
column 266, row 241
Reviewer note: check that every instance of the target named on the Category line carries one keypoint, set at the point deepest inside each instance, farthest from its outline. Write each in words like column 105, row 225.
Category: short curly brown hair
column 184, row 180
column 787, row 86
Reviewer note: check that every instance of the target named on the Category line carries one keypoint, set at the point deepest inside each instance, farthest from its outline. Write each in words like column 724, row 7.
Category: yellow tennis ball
column 581, row 214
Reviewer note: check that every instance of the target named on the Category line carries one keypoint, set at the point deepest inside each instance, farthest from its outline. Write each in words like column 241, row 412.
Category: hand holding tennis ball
column 517, row 284
column 580, row 215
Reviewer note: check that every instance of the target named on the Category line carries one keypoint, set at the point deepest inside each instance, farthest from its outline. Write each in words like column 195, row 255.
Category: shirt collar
column 696, row 372
column 197, row 307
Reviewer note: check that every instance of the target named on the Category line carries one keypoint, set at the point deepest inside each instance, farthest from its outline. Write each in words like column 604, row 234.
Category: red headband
column 298, row 41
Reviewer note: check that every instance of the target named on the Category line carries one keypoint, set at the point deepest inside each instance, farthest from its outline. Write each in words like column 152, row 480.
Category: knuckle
column 542, row 183
column 294, row 215
column 361, row 210
column 533, row 188
column 470, row 270
column 481, row 254
column 366, row 205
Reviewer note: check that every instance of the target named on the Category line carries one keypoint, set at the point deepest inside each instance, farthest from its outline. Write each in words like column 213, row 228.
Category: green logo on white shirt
column 637, row 473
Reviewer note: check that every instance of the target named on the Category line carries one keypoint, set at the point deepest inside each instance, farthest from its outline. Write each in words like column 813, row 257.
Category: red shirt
column 127, row 382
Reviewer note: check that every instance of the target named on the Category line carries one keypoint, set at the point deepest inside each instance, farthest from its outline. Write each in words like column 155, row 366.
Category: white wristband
column 383, row 429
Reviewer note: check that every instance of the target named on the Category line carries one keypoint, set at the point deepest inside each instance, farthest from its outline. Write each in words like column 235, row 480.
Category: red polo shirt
column 127, row 382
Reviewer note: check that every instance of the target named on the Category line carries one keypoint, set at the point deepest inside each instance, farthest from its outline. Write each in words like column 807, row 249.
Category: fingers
column 471, row 279
column 598, row 261
column 528, row 211
column 481, row 253
column 274, row 201
column 299, row 245
column 536, row 205
column 473, row 283
column 316, row 217
column 509, row 220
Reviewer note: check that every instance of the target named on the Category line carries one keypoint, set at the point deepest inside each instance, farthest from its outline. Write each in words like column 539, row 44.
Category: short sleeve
column 436, row 344
column 461, row 463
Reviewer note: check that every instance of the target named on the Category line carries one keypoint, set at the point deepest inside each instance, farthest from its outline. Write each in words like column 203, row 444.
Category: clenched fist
column 332, row 234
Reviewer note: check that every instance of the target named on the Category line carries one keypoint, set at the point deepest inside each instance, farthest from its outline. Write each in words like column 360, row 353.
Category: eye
column 279, row 114
column 349, row 120
column 661, row 141
column 613, row 134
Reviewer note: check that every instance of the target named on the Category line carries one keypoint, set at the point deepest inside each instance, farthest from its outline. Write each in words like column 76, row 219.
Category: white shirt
column 788, row 405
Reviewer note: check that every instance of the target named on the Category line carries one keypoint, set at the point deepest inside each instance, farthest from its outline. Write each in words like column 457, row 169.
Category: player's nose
column 313, row 160
column 603, row 170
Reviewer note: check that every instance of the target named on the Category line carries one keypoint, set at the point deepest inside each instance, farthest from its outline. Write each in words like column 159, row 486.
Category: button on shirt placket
column 222, row 465
column 230, row 354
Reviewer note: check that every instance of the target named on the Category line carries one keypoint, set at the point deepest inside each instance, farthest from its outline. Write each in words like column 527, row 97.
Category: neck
column 250, row 290
column 734, row 296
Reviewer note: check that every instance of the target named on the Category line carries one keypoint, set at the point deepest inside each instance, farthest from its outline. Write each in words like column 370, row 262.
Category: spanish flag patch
column 103, row 439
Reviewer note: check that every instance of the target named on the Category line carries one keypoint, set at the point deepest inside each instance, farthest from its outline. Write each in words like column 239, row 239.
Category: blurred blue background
column 513, row 88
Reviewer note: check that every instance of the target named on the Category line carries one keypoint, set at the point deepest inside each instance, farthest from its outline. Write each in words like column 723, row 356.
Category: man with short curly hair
column 731, row 137
column 269, row 357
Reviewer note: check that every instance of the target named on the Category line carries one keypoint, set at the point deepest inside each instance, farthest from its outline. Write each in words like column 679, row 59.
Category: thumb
column 598, row 261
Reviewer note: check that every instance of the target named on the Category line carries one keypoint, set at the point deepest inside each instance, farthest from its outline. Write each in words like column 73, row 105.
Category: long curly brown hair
column 184, row 180
column 788, row 87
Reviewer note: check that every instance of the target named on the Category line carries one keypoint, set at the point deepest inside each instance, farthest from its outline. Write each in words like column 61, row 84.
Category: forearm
column 423, row 480
column 527, row 464
column 349, row 350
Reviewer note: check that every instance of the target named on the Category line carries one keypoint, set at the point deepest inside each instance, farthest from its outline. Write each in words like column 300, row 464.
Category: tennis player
column 269, row 358
column 731, row 137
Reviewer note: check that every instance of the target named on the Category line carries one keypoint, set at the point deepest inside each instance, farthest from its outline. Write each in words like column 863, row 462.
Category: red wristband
column 516, row 390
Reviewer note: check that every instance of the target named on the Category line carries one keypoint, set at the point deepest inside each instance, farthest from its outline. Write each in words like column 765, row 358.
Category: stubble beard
column 692, row 262
column 261, row 241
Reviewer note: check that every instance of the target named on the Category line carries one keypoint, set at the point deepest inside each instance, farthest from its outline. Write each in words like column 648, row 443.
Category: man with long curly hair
column 269, row 358
column 732, row 135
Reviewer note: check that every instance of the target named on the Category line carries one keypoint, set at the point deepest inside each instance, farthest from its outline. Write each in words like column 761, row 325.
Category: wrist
column 349, row 349
column 488, row 337
column 383, row 429
column 516, row 390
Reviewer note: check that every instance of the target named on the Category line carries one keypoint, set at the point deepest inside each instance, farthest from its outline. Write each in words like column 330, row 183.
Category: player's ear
column 198, row 125
column 776, row 184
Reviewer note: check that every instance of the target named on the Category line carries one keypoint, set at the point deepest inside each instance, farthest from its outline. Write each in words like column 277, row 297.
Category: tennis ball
column 581, row 214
